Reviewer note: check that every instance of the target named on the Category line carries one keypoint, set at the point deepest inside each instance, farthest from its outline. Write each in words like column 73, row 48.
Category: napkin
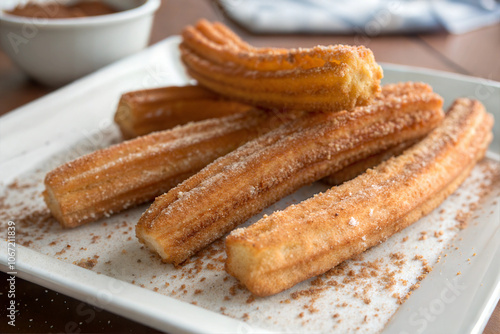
column 369, row 17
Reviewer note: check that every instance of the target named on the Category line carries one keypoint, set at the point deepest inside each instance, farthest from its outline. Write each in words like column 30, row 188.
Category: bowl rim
column 149, row 6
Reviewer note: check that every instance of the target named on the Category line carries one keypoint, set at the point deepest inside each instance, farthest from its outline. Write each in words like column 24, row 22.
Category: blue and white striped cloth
column 369, row 17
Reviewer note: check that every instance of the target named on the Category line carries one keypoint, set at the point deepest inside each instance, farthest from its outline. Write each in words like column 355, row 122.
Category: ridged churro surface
column 136, row 171
column 322, row 78
column 308, row 239
column 359, row 167
column 235, row 187
column 144, row 111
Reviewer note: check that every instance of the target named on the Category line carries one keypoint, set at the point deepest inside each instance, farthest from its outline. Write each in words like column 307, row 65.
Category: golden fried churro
column 323, row 78
column 113, row 179
column 145, row 111
column 308, row 239
column 242, row 183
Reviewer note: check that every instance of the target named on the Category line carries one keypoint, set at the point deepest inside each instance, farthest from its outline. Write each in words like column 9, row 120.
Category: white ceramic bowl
column 58, row 51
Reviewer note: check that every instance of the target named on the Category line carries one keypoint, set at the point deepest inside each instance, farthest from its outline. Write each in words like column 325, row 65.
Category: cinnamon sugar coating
column 136, row 171
column 144, row 111
column 235, row 187
column 322, row 78
column 308, row 239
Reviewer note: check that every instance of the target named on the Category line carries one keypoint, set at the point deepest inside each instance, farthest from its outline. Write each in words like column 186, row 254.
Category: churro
column 136, row 171
column 323, row 78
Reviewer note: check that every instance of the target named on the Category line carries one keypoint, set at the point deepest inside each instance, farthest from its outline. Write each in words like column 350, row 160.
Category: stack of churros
column 308, row 239
column 260, row 124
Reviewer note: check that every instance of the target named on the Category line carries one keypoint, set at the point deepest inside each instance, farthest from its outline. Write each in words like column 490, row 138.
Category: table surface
column 475, row 53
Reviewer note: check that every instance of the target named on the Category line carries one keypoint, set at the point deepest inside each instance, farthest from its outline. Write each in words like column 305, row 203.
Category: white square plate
column 81, row 114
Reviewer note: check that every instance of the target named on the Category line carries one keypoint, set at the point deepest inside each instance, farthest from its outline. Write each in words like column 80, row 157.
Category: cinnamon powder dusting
column 362, row 292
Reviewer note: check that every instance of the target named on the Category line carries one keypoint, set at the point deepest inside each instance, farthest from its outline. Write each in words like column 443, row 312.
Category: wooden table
column 476, row 53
